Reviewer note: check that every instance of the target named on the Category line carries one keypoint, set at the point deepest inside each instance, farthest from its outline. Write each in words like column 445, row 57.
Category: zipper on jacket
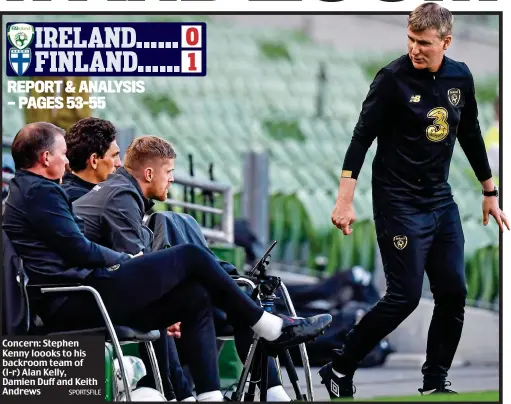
column 436, row 93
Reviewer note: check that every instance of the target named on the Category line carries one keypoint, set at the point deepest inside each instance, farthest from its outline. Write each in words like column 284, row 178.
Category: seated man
column 93, row 155
column 113, row 213
column 152, row 291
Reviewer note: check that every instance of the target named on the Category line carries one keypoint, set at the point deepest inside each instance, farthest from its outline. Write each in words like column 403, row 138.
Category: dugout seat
column 19, row 319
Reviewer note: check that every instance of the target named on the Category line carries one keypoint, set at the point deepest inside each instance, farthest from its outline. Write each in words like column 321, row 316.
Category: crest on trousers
column 454, row 95
column 400, row 242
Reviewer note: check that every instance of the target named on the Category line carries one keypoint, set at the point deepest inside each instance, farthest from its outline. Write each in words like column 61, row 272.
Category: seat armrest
column 53, row 285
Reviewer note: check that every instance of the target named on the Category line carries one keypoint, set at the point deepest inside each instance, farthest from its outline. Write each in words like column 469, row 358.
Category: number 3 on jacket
column 439, row 130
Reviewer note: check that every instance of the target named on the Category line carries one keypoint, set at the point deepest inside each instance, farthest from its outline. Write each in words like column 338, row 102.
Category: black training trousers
column 156, row 290
column 431, row 242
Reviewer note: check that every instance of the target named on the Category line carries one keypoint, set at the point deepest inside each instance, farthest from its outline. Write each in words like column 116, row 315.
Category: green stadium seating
column 221, row 116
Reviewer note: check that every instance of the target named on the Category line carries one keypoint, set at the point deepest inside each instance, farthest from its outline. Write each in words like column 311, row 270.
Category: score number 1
column 191, row 60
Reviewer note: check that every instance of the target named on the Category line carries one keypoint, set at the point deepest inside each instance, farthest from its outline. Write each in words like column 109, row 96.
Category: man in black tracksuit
column 113, row 214
column 417, row 106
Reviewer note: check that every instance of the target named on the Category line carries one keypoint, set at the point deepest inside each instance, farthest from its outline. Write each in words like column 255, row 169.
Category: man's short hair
column 32, row 140
column 431, row 15
column 86, row 137
column 146, row 148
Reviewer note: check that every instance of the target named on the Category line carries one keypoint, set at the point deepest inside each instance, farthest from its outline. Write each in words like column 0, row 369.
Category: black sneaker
column 337, row 387
column 297, row 330
column 442, row 389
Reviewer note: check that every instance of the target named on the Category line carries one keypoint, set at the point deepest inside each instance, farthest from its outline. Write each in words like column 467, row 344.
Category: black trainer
column 337, row 387
column 297, row 330
column 442, row 389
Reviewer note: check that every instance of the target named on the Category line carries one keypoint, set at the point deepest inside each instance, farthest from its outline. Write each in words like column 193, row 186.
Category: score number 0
column 191, row 60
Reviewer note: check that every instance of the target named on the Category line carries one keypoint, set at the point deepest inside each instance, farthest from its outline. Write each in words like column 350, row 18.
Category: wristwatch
column 495, row 192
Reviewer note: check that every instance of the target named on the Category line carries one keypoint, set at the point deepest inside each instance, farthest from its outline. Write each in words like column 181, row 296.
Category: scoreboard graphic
column 106, row 49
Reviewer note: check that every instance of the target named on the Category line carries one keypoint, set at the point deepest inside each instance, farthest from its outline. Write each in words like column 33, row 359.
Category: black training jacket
column 75, row 187
column 416, row 117
column 40, row 223
column 113, row 212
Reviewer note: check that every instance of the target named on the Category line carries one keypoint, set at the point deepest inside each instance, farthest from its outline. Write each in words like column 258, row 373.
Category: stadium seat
column 223, row 114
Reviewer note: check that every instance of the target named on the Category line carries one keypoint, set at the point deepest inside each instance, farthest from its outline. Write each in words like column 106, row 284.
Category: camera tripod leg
column 303, row 349
column 291, row 372
column 263, row 387
column 248, row 367
column 255, row 375
column 279, row 370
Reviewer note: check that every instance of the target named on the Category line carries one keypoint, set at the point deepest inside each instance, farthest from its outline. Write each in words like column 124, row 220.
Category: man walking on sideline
column 417, row 106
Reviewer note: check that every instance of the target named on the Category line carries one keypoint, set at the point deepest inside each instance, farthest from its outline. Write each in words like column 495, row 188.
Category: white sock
column 269, row 326
column 277, row 393
column 335, row 372
column 191, row 398
column 211, row 396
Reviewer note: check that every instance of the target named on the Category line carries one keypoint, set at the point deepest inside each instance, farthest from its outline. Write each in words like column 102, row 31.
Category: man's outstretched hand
column 344, row 216
column 491, row 207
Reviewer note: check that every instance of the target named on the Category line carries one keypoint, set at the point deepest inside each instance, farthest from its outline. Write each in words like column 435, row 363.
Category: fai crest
column 454, row 95
column 20, row 35
column 20, row 60
column 400, row 242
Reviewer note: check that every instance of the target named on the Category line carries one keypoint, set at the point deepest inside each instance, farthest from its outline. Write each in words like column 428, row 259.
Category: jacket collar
column 77, row 180
column 148, row 203
column 22, row 172
column 425, row 72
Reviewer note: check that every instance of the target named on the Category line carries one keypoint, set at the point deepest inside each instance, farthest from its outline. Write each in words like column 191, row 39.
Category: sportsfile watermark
column 106, row 49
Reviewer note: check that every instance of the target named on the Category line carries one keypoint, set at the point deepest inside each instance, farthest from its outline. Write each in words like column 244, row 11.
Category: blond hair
column 146, row 148
column 431, row 15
